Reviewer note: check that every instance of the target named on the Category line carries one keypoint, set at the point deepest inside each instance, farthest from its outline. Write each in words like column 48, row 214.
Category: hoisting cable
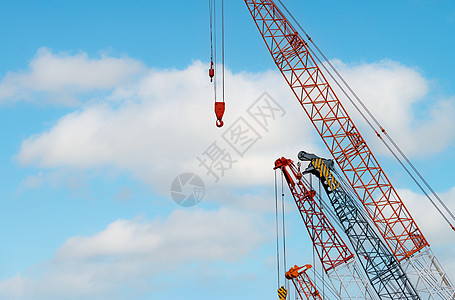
column 377, row 123
column 277, row 233
column 213, row 58
column 284, row 228
column 322, row 211
column 222, row 45
column 391, row 140
column 220, row 106
column 211, row 18
column 423, row 179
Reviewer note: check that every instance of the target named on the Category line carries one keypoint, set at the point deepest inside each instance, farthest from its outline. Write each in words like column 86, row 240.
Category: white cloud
column 129, row 252
column 156, row 126
column 58, row 78
column 398, row 97
column 32, row 182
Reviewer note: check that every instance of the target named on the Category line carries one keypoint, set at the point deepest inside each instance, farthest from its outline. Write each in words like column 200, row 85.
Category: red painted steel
column 219, row 112
column 303, row 283
column 329, row 246
column 292, row 56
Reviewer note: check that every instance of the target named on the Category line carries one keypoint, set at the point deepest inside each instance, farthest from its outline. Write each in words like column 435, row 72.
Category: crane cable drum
column 219, row 105
column 343, row 86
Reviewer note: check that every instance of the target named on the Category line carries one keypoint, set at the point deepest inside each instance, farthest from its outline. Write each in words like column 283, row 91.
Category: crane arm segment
column 380, row 265
column 293, row 58
column 302, row 282
column 336, row 258
column 331, row 249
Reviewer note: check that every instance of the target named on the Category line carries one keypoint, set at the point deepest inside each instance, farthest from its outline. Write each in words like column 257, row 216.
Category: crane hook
column 219, row 112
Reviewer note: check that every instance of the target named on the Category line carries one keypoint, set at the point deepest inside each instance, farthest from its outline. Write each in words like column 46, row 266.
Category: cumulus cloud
column 159, row 125
column 128, row 252
column 184, row 236
column 398, row 97
column 58, row 77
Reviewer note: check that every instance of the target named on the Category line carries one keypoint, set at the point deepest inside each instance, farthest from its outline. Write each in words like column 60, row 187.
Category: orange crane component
column 331, row 249
column 303, row 283
column 293, row 58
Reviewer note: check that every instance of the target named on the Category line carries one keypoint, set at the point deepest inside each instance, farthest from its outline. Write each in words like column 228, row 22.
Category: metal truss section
column 337, row 260
column 293, row 57
column 302, row 283
column 428, row 276
column 380, row 265
column 349, row 277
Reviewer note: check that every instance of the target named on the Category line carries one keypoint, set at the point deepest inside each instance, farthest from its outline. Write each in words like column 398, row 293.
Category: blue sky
column 103, row 104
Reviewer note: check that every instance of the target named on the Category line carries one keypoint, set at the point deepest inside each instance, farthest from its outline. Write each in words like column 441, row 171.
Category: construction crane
column 337, row 260
column 220, row 106
column 380, row 265
column 302, row 282
column 293, row 57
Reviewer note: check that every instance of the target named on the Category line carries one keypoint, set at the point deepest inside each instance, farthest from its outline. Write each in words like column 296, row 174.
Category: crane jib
column 337, row 130
column 297, row 63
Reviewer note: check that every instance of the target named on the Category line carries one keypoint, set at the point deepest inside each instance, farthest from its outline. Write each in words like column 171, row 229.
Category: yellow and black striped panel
column 324, row 173
column 282, row 293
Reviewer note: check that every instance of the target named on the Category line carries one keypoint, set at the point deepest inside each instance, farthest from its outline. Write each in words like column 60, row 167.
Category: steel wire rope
column 222, row 48
column 284, row 229
column 277, row 233
column 376, row 122
column 212, row 8
column 314, row 259
column 211, row 29
column 322, row 211
column 421, row 178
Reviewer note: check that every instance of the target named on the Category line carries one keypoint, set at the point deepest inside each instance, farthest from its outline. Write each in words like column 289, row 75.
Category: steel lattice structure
column 292, row 56
column 337, row 260
column 302, row 282
column 380, row 265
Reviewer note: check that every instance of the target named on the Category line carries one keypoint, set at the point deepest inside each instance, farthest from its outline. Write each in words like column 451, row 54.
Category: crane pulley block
column 219, row 112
